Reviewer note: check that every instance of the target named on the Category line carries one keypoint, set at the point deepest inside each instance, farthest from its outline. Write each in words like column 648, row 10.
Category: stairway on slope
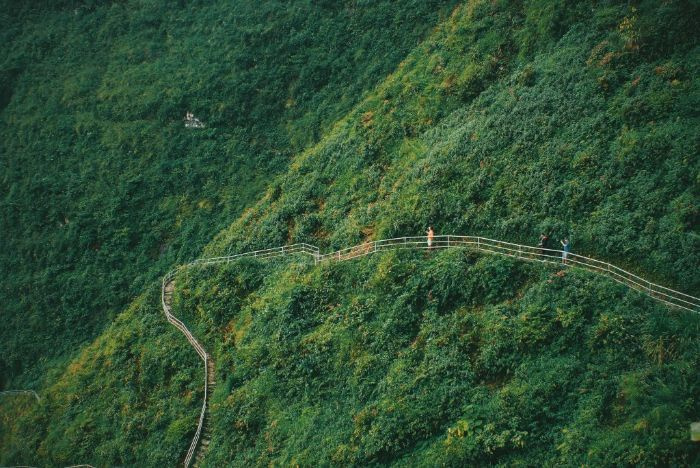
column 206, row 427
column 205, row 437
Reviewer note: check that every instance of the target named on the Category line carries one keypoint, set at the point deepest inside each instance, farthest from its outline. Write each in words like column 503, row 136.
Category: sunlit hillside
column 337, row 124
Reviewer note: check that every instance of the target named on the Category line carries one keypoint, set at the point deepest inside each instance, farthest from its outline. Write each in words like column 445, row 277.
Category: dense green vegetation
column 577, row 118
column 101, row 186
column 129, row 398
column 592, row 135
column 407, row 357
column 450, row 358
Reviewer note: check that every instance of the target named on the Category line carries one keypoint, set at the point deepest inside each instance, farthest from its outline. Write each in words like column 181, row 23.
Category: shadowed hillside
column 101, row 186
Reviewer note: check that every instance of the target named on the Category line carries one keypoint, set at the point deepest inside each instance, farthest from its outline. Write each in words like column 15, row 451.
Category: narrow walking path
column 202, row 437
column 167, row 299
column 206, row 434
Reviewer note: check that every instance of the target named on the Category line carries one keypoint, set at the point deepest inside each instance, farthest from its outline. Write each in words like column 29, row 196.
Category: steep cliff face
column 507, row 119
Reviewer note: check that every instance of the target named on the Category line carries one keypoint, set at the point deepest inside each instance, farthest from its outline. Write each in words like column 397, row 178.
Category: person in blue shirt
column 567, row 247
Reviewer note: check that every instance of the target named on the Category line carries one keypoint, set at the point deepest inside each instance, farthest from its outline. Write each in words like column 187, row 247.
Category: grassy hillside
column 591, row 134
column 129, row 398
column 510, row 118
column 411, row 359
column 445, row 359
column 101, row 186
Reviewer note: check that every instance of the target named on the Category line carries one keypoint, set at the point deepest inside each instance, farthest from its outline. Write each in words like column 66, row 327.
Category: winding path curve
column 200, row 440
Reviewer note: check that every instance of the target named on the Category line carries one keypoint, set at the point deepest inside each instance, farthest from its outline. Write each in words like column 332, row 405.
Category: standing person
column 431, row 234
column 565, row 253
column 544, row 243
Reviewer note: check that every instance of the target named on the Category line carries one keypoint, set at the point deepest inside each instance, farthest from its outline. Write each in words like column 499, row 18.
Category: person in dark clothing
column 544, row 243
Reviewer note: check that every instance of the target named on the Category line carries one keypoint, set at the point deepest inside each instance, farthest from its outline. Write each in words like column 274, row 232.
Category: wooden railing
column 524, row 252
column 168, row 278
column 666, row 295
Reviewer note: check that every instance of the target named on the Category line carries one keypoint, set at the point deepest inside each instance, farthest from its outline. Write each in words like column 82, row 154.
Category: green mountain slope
column 445, row 358
column 510, row 118
column 129, row 398
column 101, row 186
column 400, row 358
column 592, row 135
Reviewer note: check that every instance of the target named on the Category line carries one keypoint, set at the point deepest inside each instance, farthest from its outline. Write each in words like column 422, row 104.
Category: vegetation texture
column 333, row 123
column 102, row 188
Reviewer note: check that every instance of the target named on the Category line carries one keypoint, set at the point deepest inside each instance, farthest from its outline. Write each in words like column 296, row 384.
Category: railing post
column 478, row 243
column 448, row 241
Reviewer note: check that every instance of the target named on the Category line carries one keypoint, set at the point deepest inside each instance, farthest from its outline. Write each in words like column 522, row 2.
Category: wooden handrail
column 661, row 293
